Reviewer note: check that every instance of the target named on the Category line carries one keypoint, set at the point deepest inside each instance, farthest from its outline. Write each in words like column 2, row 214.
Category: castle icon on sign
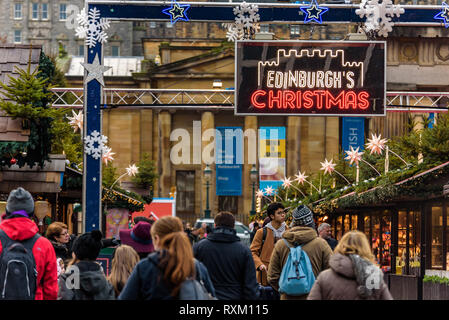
column 311, row 68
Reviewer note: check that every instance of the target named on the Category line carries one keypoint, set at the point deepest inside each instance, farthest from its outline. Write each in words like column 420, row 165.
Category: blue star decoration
column 177, row 12
column 443, row 15
column 313, row 12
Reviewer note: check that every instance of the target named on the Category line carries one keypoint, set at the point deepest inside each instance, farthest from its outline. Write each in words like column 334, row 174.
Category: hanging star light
column 313, row 12
column 376, row 144
column 286, row 183
column 76, row 122
column 353, row 155
column 328, row 166
column 269, row 191
column 107, row 154
column 95, row 70
column 443, row 15
column 132, row 170
column 301, row 177
column 177, row 12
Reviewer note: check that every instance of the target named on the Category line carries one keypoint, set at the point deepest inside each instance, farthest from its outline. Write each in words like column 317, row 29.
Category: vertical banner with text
column 229, row 160
column 353, row 133
column 271, row 156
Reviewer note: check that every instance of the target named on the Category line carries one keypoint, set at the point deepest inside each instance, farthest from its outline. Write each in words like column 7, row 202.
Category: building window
column 17, row 11
column 35, row 11
column 294, row 30
column 228, row 203
column 62, row 11
column 45, row 11
column 265, row 28
column 185, row 192
column 17, row 36
column 115, row 51
column 81, row 49
column 152, row 24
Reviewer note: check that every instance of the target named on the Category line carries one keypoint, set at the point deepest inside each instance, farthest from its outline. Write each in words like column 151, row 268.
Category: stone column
column 332, row 137
column 250, row 147
column 208, row 122
column 163, row 155
column 293, row 145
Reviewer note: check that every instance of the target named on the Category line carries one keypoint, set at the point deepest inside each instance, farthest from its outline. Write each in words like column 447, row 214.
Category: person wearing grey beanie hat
column 303, row 216
column 20, row 202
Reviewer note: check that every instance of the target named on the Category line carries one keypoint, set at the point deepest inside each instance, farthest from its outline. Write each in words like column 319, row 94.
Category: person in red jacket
column 18, row 226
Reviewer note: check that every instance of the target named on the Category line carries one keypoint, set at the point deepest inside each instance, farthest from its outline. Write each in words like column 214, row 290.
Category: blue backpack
column 297, row 276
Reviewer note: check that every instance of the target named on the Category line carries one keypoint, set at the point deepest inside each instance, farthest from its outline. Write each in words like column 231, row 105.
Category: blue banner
column 229, row 161
column 353, row 133
column 272, row 157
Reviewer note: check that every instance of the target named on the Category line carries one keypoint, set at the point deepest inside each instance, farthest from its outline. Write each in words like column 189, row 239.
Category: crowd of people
column 166, row 259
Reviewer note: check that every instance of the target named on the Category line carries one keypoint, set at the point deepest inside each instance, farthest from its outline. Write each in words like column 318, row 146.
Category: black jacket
column 230, row 265
column 64, row 250
column 92, row 283
column 146, row 281
column 332, row 242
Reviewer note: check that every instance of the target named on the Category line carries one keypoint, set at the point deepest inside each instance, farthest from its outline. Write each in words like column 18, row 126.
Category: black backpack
column 18, row 274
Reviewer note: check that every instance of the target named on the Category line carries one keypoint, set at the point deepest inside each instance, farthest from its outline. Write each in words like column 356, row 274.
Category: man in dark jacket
column 325, row 232
column 229, row 262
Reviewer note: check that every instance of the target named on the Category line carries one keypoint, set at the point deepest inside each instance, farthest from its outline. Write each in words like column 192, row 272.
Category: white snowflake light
column 328, row 166
column 376, row 144
column 286, row 183
column 246, row 22
column 301, row 177
column 93, row 144
column 269, row 191
column 259, row 193
column 378, row 15
column 76, row 122
column 107, row 154
column 91, row 27
column 132, row 170
column 353, row 155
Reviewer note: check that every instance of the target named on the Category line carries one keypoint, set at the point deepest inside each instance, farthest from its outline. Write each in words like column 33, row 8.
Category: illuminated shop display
column 310, row 78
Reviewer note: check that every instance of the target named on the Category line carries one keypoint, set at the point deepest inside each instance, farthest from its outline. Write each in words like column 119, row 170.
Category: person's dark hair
column 224, row 219
column 138, row 219
column 272, row 209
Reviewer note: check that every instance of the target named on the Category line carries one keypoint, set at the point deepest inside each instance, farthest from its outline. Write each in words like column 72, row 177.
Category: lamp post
column 253, row 174
column 207, row 175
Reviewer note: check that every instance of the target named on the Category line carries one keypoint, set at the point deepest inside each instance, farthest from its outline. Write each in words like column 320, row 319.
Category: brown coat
column 339, row 283
column 316, row 248
column 265, row 254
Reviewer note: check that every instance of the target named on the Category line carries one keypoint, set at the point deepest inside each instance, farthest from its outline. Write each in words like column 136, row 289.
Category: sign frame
column 236, row 78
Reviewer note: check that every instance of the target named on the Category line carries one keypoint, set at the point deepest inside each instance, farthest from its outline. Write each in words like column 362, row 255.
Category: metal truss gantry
column 397, row 101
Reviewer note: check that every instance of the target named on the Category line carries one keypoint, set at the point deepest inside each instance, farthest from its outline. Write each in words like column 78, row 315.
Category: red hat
column 139, row 237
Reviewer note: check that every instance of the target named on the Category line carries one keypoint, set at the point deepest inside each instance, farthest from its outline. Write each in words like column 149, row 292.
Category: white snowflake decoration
column 378, row 15
column 92, row 27
column 246, row 22
column 94, row 144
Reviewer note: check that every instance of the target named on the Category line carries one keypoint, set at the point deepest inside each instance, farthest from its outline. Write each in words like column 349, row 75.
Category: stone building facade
column 49, row 23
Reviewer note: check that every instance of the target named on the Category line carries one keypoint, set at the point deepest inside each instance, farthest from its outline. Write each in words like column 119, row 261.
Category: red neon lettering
column 277, row 99
column 338, row 101
column 298, row 99
column 320, row 94
column 289, row 99
column 254, row 97
column 351, row 100
column 308, row 102
column 363, row 102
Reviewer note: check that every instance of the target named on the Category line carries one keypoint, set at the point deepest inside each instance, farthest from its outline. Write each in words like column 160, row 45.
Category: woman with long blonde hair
column 353, row 274
column 160, row 275
column 123, row 263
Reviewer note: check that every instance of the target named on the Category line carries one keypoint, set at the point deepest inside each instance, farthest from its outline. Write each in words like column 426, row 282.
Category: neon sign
column 310, row 78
